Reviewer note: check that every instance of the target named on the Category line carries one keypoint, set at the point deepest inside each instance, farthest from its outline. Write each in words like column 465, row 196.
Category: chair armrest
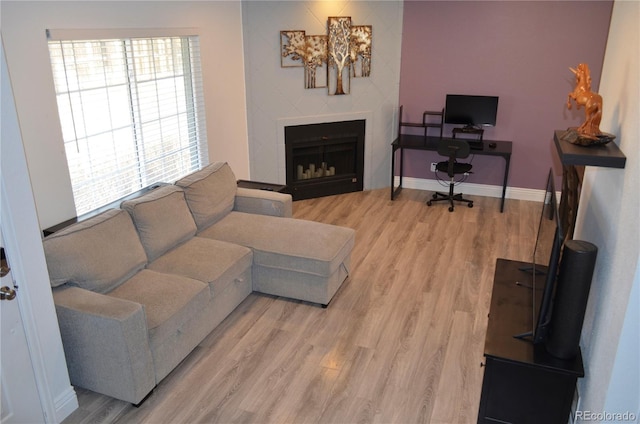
column 106, row 343
column 263, row 202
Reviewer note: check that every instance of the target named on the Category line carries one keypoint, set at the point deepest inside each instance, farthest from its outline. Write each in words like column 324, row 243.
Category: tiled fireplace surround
column 276, row 96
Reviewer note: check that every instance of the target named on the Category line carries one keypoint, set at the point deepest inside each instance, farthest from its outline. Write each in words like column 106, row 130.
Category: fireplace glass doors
column 324, row 159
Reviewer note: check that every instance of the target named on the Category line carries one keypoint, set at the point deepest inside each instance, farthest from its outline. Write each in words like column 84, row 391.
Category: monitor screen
column 471, row 111
column 547, row 252
column 546, row 226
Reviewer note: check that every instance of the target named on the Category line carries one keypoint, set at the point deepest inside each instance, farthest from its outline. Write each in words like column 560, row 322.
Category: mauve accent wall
column 519, row 51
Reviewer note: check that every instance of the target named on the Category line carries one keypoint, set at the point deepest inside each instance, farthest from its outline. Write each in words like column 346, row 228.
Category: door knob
column 7, row 294
column 4, row 265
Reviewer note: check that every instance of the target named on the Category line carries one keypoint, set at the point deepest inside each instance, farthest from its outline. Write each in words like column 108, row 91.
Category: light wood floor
column 401, row 342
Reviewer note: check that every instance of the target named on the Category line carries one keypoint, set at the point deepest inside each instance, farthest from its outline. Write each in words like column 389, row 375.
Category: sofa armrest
column 106, row 343
column 263, row 202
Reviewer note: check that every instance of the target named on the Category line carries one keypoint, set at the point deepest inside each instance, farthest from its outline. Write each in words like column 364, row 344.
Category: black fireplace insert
column 324, row 159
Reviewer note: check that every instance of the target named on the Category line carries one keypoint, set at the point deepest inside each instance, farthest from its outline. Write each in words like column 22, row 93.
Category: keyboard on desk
column 476, row 145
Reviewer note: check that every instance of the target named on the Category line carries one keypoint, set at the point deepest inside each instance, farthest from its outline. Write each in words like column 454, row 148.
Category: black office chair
column 454, row 149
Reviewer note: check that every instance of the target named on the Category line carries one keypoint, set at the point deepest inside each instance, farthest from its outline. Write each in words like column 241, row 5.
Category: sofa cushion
column 162, row 218
column 97, row 254
column 212, row 261
column 169, row 300
column 286, row 243
column 210, row 193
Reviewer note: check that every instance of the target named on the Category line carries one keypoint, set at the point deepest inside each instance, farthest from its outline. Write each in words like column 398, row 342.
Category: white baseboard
column 65, row 404
column 472, row 189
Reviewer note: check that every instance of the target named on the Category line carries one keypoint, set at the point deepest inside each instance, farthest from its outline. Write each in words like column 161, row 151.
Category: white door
column 18, row 391
column 19, row 394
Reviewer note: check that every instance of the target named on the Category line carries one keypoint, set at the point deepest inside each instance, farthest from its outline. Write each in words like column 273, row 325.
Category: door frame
column 18, row 386
column 22, row 236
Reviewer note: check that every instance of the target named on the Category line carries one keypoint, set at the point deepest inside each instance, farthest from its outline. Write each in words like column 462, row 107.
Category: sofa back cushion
column 210, row 193
column 162, row 218
column 97, row 254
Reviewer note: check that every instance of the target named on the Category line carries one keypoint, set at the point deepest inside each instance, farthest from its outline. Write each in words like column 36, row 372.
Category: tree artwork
column 325, row 58
column 339, row 50
column 293, row 48
column 315, row 58
column 361, row 50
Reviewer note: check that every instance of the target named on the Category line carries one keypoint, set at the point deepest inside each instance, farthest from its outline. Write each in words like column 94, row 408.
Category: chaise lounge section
column 293, row 258
column 137, row 288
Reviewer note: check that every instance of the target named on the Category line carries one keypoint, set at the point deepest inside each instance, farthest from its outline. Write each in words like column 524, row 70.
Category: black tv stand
column 530, row 268
column 522, row 382
column 527, row 336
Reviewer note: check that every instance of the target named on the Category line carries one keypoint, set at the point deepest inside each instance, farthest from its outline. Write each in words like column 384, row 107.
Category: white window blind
column 131, row 111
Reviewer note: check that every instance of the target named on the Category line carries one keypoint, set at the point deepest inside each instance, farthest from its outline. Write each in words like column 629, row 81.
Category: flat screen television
column 545, row 263
column 471, row 111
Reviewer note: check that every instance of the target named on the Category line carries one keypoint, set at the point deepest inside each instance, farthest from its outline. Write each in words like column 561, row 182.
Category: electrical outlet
column 433, row 166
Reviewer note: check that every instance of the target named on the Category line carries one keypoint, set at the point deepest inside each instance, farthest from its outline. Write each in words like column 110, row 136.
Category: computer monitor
column 471, row 111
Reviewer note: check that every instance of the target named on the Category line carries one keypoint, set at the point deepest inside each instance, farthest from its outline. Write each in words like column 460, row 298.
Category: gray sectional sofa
column 137, row 288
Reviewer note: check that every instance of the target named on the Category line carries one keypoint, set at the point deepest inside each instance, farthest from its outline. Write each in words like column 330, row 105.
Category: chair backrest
column 453, row 148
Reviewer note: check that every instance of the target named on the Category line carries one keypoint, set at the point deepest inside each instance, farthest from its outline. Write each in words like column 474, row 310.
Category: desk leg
column 507, row 160
column 393, row 169
column 401, row 168
column 396, row 190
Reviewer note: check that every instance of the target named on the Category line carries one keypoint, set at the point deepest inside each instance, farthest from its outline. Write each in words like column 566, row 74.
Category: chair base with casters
column 454, row 149
column 450, row 197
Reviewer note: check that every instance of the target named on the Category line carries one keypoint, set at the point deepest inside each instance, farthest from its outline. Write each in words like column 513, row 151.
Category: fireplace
column 324, row 159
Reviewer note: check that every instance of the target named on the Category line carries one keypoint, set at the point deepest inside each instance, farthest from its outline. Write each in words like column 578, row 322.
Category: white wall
column 608, row 216
column 277, row 95
column 219, row 24
column 623, row 394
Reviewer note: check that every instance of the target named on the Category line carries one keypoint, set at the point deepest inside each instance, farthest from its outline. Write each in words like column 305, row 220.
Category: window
column 131, row 111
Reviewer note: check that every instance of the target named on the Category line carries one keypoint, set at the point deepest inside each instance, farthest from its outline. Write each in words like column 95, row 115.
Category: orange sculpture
column 592, row 102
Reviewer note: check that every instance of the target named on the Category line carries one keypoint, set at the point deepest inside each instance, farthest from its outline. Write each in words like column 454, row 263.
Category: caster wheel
column 450, row 208
column 429, row 203
column 470, row 205
column 434, row 196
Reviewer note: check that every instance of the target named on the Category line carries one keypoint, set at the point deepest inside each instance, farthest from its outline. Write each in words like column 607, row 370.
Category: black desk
column 418, row 142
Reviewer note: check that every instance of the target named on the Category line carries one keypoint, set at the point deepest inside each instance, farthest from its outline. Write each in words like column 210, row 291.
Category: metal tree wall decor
column 329, row 61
